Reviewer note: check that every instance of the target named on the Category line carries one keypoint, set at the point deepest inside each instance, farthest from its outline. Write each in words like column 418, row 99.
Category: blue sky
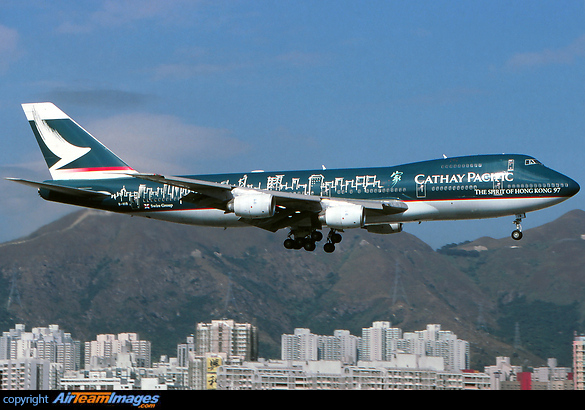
column 184, row 86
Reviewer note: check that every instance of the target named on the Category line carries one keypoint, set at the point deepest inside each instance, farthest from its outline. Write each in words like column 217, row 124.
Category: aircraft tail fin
column 69, row 150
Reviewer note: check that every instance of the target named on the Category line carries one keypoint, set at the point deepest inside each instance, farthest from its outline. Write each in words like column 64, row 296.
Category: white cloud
column 164, row 143
column 560, row 56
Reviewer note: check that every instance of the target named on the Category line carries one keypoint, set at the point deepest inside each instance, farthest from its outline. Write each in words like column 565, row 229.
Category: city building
column 503, row 371
column 50, row 343
column 381, row 341
column 578, row 362
column 235, row 340
column 342, row 346
column 304, row 345
column 373, row 343
column 37, row 359
column 217, row 356
column 27, row 374
column 104, row 379
column 333, row 375
column 504, row 376
column 552, row 377
column 121, row 350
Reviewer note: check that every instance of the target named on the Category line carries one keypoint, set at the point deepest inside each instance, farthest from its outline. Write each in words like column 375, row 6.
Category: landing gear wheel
column 289, row 243
column 329, row 247
column 316, row 236
column 309, row 246
column 517, row 235
column 334, row 237
column 298, row 243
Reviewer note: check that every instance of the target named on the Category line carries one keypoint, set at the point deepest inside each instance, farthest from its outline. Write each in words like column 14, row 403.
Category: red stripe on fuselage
column 99, row 169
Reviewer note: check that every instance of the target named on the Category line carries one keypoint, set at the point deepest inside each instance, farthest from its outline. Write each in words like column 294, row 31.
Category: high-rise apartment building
column 234, row 340
column 26, row 374
column 123, row 350
column 49, row 343
column 36, row 359
column 342, row 346
column 378, row 343
column 333, row 375
column 304, row 345
column 381, row 341
column 578, row 362
column 374, row 341
column 301, row 345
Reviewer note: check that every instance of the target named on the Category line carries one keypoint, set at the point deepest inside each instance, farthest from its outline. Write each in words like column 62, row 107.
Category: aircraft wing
column 62, row 189
column 207, row 188
column 224, row 192
column 292, row 207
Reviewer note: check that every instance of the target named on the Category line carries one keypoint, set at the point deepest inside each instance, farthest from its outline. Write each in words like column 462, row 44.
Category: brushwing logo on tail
column 58, row 145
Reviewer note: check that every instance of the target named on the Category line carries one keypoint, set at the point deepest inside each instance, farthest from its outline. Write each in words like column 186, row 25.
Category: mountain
column 538, row 284
column 92, row 272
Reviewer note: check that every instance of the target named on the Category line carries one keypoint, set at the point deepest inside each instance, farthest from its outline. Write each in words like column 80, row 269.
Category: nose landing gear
column 517, row 233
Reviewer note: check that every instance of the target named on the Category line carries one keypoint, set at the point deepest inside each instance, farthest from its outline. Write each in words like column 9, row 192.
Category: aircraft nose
column 573, row 187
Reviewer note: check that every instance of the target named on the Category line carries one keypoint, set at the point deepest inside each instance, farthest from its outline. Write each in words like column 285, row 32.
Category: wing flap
column 380, row 207
column 386, row 207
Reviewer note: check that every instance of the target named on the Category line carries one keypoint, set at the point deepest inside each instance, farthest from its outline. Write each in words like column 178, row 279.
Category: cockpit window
column 532, row 161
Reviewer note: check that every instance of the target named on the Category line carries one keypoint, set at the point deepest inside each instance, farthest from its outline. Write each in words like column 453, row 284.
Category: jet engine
column 343, row 216
column 255, row 206
column 384, row 228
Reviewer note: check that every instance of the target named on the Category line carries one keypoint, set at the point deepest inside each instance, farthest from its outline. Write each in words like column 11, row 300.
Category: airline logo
column 94, row 161
column 58, row 145
column 468, row 178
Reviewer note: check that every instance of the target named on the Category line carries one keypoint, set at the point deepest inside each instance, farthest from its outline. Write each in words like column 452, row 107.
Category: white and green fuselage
column 380, row 199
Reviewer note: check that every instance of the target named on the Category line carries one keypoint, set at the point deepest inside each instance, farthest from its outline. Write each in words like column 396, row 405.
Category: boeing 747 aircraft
column 86, row 173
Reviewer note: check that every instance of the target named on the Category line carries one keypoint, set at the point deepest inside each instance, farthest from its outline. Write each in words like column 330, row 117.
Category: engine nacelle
column 385, row 228
column 344, row 216
column 255, row 206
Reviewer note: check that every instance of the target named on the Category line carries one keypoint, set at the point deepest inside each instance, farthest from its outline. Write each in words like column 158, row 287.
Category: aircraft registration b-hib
column 86, row 173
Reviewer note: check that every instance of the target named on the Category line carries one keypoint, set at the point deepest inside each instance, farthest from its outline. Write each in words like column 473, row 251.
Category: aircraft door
column 421, row 190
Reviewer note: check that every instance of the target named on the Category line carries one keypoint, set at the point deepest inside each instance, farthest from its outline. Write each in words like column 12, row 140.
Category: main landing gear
column 308, row 242
column 517, row 233
column 332, row 239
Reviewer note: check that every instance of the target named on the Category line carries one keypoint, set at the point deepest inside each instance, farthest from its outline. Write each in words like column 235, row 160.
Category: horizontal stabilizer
column 62, row 189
